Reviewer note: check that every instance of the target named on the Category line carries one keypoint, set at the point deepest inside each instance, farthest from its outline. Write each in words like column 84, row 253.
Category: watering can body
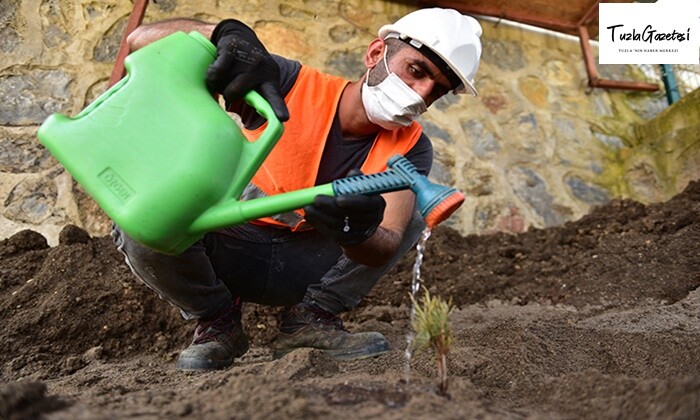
column 156, row 151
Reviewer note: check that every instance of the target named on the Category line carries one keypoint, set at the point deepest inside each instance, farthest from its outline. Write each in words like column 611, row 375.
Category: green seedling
column 432, row 327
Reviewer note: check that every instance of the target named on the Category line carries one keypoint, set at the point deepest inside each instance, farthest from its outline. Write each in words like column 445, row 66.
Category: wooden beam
column 625, row 85
column 135, row 19
column 493, row 11
column 591, row 14
column 588, row 58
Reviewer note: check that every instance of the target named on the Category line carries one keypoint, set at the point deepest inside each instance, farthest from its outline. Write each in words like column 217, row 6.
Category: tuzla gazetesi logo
column 665, row 32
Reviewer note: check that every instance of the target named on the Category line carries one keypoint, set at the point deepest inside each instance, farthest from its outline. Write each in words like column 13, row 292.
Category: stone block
column 530, row 187
column 106, row 49
column 9, row 37
column 534, row 90
column 29, row 98
column 504, row 54
column 31, row 201
column 499, row 216
column 485, row 144
column 346, row 63
column 23, row 154
column 586, row 192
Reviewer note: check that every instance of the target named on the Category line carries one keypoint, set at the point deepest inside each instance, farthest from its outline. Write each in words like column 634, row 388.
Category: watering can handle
column 253, row 153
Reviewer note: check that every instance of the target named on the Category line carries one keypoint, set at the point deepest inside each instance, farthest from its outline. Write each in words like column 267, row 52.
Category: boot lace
column 326, row 318
column 213, row 327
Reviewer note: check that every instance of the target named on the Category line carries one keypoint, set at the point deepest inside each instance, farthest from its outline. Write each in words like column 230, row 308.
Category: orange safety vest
column 294, row 161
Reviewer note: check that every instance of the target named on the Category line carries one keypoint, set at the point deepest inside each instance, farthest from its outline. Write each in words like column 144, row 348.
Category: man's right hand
column 243, row 64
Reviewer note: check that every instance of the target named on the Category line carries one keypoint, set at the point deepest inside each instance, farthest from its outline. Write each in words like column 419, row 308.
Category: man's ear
column 375, row 53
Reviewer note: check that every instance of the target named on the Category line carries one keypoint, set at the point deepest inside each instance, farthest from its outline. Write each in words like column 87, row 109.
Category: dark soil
column 598, row 318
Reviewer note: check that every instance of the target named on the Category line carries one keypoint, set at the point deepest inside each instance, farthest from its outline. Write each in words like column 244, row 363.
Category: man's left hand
column 348, row 219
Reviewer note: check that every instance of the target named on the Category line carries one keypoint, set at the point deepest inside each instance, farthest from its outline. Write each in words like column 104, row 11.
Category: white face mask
column 391, row 104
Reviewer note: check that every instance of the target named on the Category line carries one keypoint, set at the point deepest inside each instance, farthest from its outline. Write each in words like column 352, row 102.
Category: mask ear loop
column 386, row 65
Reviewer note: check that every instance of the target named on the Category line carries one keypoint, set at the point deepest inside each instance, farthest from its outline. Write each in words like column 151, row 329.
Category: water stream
column 415, row 288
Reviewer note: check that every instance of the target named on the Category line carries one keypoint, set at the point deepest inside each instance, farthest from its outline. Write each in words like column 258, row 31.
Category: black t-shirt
column 341, row 154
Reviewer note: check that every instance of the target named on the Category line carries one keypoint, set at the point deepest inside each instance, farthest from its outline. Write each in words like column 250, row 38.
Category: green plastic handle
column 253, row 153
column 230, row 211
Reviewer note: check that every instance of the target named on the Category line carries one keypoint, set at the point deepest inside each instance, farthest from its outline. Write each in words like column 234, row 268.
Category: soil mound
column 596, row 318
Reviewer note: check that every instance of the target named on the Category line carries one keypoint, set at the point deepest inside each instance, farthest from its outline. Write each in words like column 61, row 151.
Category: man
column 321, row 260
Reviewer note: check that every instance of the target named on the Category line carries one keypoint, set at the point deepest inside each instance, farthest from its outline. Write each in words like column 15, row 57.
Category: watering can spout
column 435, row 202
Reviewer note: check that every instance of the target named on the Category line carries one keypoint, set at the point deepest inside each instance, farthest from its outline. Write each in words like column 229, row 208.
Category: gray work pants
column 259, row 264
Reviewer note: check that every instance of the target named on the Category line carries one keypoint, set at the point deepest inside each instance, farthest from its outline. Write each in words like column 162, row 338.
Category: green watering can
column 166, row 162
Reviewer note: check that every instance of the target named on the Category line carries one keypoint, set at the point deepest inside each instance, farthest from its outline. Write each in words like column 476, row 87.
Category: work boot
column 218, row 339
column 307, row 325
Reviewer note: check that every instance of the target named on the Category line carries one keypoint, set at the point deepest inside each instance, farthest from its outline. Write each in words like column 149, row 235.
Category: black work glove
column 243, row 64
column 347, row 219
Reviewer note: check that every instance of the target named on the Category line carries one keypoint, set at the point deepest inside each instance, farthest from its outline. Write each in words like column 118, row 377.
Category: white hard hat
column 450, row 35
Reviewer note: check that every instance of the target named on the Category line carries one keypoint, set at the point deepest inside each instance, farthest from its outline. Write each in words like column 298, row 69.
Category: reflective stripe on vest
column 293, row 163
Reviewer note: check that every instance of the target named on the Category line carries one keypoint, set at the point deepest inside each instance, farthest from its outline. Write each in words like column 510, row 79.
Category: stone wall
column 535, row 149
